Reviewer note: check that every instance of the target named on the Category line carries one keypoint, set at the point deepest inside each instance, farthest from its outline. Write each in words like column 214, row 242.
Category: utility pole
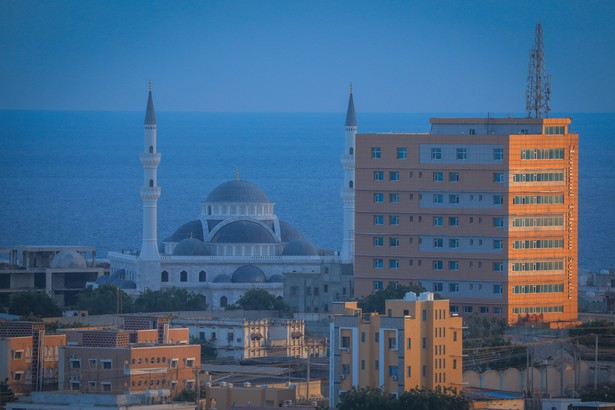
column 307, row 386
column 198, row 389
column 596, row 365
column 527, row 371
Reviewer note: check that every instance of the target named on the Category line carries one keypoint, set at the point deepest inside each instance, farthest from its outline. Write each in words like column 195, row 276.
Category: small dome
column 192, row 229
column 222, row 278
column 103, row 280
column 237, row 191
column 249, row 274
column 243, row 231
column 124, row 284
column 191, row 247
column 289, row 233
column 300, row 247
column 276, row 278
column 67, row 260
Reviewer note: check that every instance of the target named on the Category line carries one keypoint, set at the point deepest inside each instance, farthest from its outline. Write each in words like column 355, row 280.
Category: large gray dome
column 222, row 278
column 192, row 229
column 237, row 191
column 249, row 274
column 288, row 232
column 191, row 247
column 243, row 231
column 67, row 260
column 300, row 247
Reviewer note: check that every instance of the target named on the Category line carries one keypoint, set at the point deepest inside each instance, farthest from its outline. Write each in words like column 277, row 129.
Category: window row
column 453, row 176
column 183, row 276
column 555, row 130
column 462, row 153
column 533, row 266
column 483, row 309
column 379, row 220
column 539, row 244
column 454, row 265
column 379, row 241
column 537, row 199
column 546, row 288
column 539, row 177
column 498, row 199
column 539, row 221
column 537, row 309
column 379, row 175
column 379, row 263
column 545, row 153
column 401, row 153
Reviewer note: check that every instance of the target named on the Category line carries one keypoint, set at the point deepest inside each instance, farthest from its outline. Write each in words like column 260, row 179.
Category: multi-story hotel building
column 482, row 211
column 416, row 344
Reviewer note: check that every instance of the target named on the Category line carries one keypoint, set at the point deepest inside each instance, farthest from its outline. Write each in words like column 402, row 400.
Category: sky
column 444, row 56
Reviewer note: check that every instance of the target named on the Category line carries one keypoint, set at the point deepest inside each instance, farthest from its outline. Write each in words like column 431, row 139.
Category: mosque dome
column 276, row 278
column 68, row 260
column 288, row 232
column 237, row 191
column 192, row 229
column 191, row 247
column 249, row 274
column 243, row 231
column 300, row 247
column 222, row 278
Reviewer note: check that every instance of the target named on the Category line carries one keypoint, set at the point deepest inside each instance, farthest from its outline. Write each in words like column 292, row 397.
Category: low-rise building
column 417, row 343
column 226, row 395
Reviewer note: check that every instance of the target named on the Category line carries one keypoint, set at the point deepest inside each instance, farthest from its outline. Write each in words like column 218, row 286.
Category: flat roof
column 500, row 121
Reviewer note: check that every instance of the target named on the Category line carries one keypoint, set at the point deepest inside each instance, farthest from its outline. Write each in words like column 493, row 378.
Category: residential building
column 482, row 211
column 28, row 356
column 416, row 344
column 144, row 354
column 226, row 395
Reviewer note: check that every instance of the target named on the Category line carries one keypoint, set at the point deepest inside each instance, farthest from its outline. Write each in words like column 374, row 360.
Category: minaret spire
column 348, row 163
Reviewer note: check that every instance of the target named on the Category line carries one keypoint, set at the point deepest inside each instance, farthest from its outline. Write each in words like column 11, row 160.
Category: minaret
column 150, row 192
column 350, row 131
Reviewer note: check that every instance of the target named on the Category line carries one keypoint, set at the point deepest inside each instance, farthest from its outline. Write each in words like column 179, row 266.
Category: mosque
column 236, row 243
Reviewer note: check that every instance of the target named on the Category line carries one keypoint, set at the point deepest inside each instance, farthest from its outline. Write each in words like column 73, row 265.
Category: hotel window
column 497, row 310
column 438, row 287
column 393, row 220
column 438, row 176
column 376, row 152
column 378, row 197
column 497, row 244
column 498, row 199
column 453, row 221
column 498, row 266
column 394, row 175
column 345, row 342
column 453, row 243
column 498, row 177
column 393, row 263
column 467, row 309
column 378, row 241
column 378, row 175
column 437, row 221
column 183, row 276
column 378, row 263
column 462, row 153
column 393, row 369
column 17, row 354
column 394, row 241
column 378, row 220
column 438, row 198
column 438, row 243
column 498, row 222
column 401, row 153
column 453, row 265
column 497, row 289
column 190, row 361
column 484, row 309
column 202, row 276
column 394, row 198
column 453, row 199
column 378, row 285
column 453, row 288
column 472, row 131
column 436, row 153
column 453, row 176
column 392, row 343
column 454, row 309
column 498, row 154
column 164, row 276
column 438, row 265
column 75, row 363
column 106, row 386
column 106, row 364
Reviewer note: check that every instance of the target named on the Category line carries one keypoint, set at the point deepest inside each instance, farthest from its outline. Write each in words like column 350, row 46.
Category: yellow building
column 417, row 343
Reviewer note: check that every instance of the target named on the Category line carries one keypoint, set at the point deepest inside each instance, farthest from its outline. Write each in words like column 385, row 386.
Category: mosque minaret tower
column 348, row 163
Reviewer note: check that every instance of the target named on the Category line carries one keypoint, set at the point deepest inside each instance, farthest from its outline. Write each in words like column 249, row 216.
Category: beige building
column 417, row 343
column 226, row 395
column 145, row 354
column 482, row 211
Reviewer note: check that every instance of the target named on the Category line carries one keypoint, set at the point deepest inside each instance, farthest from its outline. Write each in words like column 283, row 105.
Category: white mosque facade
column 236, row 243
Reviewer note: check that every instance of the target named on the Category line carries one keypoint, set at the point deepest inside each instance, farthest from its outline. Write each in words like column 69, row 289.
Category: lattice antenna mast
column 538, row 90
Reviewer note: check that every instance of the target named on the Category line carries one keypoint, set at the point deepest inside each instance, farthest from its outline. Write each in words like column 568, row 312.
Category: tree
column 208, row 351
column 376, row 301
column 6, row 394
column 602, row 393
column 186, row 395
column 371, row 398
column 586, row 333
column 169, row 300
column 260, row 299
column 104, row 300
column 367, row 398
column 33, row 303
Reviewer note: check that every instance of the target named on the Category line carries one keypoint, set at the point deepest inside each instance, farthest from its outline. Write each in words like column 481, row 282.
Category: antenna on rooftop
column 538, row 89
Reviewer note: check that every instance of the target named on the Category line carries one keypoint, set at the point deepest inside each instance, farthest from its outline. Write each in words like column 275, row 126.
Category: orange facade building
column 481, row 211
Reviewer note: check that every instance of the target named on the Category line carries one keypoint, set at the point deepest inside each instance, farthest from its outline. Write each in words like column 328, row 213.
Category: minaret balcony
column 150, row 193
column 347, row 161
column 347, row 194
column 150, row 159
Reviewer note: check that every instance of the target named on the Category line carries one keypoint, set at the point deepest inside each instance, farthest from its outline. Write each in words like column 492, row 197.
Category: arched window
column 350, row 184
column 351, row 151
column 183, row 276
column 164, row 276
column 151, row 183
column 223, row 301
column 151, row 149
column 202, row 276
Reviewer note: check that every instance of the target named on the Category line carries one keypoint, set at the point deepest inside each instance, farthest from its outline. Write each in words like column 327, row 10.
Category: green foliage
column 169, row 300
column 33, row 304
column 208, row 351
column 103, row 300
column 260, row 299
column 484, row 331
column 602, row 393
column 6, row 394
column 586, row 333
column 375, row 301
column 186, row 395
column 371, row 398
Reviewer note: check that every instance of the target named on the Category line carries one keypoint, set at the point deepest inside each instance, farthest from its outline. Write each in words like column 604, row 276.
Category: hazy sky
column 402, row 56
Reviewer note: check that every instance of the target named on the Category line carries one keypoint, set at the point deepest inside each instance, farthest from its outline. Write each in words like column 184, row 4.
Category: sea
column 73, row 177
